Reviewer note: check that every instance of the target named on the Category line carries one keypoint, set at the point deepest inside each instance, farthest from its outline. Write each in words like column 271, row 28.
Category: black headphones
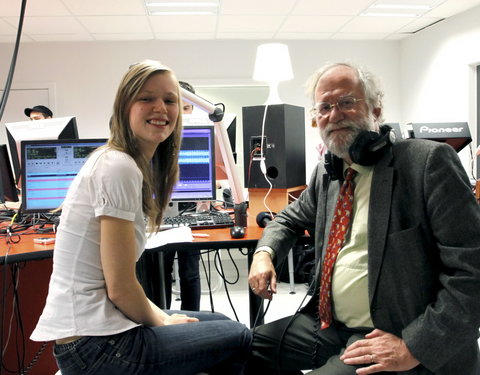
column 366, row 149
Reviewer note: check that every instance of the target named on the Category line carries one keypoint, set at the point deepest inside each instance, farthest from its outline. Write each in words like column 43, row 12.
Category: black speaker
column 283, row 150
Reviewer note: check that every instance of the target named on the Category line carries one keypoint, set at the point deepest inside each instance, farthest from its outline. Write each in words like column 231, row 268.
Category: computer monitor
column 456, row 134
column 8, row 190
column 54, row 128
column 197, row 165
column 49, row 167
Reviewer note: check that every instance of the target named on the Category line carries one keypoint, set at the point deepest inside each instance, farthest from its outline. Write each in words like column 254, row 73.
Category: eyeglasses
column 345, row 103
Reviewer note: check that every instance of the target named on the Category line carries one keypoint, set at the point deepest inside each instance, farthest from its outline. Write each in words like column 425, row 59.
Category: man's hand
column 382, row 350
column 262, row 277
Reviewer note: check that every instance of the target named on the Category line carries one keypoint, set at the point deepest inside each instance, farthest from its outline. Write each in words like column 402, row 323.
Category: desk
column 34, row 281
column 33, row 263
column 152, row 271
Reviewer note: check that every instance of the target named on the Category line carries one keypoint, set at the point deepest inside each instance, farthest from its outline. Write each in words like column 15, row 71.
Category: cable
column 4, row 298
column 8, row 83
column 282, row 337
column 225, row 281
column 263, row 166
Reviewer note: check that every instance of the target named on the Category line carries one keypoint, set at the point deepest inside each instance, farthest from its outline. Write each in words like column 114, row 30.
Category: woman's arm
column 118, row 256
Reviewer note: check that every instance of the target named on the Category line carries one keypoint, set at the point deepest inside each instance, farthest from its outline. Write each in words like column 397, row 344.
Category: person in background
column 39, row 112
column 397, row 239
column 96, row 310
column 188, row 261
column 187, row 107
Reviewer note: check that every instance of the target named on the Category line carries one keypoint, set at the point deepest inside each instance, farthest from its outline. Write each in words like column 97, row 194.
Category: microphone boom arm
column 216, row 115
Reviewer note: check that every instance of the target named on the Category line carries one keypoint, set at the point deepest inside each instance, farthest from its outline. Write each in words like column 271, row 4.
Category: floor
column 284, row 303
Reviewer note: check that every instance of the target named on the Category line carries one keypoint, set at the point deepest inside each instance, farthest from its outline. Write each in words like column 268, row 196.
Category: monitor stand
column 203, row 207
column 172, row 209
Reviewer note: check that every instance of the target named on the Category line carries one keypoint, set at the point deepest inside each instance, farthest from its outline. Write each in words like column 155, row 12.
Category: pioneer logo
column 429, row 130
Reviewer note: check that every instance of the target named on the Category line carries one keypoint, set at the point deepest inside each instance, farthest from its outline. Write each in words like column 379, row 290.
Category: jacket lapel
column 378, row 219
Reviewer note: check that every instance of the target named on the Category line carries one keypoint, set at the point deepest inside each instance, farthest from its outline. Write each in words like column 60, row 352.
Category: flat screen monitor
column 54, row 128
column 197, row 165
column 8, row 189
column 49, row 167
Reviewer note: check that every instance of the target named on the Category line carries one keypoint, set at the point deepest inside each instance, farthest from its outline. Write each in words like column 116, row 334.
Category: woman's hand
column 179, row 319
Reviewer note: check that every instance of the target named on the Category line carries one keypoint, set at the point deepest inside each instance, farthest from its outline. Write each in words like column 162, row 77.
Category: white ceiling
column 91, row 20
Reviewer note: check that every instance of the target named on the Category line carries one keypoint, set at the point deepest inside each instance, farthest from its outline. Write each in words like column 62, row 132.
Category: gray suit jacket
column 423, row 246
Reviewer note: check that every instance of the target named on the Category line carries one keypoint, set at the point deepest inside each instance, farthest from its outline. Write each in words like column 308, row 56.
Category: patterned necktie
column 340, row 223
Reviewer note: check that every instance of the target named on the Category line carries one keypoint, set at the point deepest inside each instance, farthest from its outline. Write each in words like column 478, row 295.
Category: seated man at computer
column 39, row 112
column 188, row 262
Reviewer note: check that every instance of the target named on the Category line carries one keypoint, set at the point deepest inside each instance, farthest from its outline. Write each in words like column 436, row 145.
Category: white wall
column 85, row 75
column 437, row 70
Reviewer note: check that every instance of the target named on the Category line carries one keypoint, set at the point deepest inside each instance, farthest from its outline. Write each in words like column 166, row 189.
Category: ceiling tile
column 330, row 7
column 237, row 19
column 256, row 7
column 7, row 28
column 317, row 24
column 124, row 36
column 304, row 36
column 115, row 24
column 360, row 36
column 106, row 7
column 185, row 36
column 371, row 24
column 11, row 8
column 245, row 36
column 50, row 25
column 249, row 23
column 451, row 7
column 179, row 24
column 74, row 37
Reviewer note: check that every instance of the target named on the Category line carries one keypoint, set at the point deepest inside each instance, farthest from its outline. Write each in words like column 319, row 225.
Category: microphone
column 263, row 218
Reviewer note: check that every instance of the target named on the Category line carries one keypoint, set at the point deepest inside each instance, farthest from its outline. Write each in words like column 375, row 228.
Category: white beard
column 339, row 145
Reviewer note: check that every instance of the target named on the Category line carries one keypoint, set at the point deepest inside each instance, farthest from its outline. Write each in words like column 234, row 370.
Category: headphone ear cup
column 333, row 166
column 369, row 146
column 359, row 151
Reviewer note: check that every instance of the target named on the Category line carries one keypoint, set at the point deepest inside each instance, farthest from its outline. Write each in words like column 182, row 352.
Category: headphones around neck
column 366, row 149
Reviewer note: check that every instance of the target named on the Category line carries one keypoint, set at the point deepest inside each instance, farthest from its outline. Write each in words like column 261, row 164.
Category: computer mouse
column 237, row 232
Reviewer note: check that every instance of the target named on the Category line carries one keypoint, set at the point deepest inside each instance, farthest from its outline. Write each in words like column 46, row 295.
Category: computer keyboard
column 198, row 221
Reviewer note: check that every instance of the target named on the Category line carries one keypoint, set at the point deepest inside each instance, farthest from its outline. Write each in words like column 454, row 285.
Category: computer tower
column 283, row 146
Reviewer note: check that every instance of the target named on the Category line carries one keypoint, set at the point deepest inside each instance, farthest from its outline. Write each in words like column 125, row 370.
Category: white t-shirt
column 109, row 184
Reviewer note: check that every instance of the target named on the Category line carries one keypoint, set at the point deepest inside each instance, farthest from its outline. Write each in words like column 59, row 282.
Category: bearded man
column 397, row 238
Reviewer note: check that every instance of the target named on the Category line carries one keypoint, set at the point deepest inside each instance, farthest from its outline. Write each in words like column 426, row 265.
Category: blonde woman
column 96, row 310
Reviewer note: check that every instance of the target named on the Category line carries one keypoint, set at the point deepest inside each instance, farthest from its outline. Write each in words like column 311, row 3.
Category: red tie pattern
column 340, row 223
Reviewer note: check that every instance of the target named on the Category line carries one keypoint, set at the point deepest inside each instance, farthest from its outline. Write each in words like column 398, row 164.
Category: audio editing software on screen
column 49, row 168
column 197, row 165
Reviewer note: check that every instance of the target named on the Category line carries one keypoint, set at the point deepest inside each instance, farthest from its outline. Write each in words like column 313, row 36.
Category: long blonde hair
column 161, row 173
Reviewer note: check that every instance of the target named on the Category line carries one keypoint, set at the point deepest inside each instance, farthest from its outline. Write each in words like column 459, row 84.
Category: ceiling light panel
column 401, row 8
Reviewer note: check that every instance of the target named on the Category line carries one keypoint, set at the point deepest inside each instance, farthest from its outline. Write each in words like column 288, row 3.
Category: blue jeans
column 216, row 345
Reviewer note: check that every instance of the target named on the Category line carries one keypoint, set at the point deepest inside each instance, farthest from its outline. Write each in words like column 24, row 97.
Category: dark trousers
column 286, row 346
column 189, row 274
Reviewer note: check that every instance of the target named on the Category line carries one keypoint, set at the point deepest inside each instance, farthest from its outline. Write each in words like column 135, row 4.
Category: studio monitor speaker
column 283, row 146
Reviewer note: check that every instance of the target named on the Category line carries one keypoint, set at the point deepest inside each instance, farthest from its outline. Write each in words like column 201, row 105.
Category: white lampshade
column 273, row 65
